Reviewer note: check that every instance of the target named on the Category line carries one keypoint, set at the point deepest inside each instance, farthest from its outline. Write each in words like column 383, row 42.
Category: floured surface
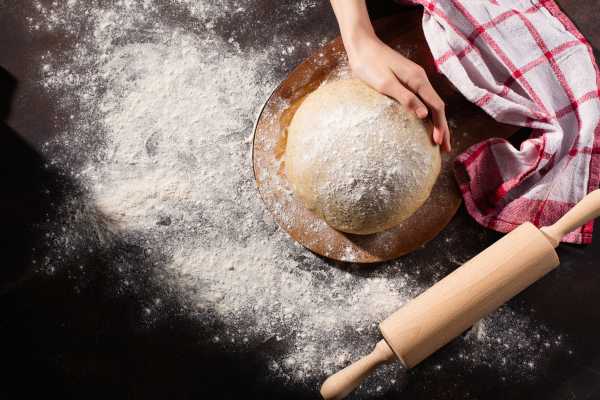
column 159, row 144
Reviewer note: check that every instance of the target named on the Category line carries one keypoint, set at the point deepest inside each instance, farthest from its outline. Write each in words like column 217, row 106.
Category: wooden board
column 468, row 124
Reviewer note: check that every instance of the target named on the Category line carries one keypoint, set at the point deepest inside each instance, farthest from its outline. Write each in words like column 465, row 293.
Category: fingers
column 392, row 87
column 417, row 81
column 440, row 128
column 447, row 145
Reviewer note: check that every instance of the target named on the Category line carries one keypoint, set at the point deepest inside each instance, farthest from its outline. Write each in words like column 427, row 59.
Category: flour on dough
column 359, row 159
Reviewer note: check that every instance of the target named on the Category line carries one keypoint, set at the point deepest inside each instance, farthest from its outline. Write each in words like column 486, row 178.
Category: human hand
column 394, row 75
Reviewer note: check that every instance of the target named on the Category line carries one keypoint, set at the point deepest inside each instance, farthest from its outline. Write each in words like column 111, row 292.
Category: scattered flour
column 159, row 143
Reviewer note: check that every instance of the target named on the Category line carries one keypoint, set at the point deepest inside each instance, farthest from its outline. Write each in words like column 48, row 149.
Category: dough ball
column 358, row 159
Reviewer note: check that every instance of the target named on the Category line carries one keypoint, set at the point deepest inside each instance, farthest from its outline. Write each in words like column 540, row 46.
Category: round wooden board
column 468, row 125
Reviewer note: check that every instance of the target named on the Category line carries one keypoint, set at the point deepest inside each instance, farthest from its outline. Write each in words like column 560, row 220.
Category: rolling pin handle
column 587, row 209
column 340, row 384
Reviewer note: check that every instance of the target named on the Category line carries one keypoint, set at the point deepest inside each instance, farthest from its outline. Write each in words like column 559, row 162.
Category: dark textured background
column 72, row 337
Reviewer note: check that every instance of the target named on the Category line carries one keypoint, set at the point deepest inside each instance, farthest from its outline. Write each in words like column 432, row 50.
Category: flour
column 159, row 144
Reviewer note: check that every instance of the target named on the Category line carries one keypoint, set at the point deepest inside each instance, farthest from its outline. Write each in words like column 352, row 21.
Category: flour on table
column 159, row 143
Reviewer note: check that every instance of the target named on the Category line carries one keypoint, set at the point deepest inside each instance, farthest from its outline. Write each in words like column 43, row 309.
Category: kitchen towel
column 526, row 64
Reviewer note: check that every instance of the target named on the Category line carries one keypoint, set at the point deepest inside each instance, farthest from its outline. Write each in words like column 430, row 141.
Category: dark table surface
column 69, row 336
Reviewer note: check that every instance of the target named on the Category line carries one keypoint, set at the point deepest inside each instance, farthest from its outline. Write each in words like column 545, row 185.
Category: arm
column 386, row 70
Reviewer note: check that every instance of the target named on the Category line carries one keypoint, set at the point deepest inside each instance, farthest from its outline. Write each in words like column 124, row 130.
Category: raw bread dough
column 358, row 159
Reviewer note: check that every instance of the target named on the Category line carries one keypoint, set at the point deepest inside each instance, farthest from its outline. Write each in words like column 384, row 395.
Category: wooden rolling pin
column 468, row 294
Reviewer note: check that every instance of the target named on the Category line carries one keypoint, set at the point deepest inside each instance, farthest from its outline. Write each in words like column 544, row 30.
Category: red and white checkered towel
column 526, row 64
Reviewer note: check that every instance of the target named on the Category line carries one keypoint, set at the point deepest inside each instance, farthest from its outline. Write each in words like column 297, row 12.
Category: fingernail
column 421, row 112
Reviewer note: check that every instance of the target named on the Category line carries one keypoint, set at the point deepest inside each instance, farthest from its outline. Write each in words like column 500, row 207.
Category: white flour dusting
column 332, row 161
column 159, row 141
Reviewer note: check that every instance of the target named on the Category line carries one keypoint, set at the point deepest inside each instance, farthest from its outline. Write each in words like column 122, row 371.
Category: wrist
column 359, row 39
column 357, row 35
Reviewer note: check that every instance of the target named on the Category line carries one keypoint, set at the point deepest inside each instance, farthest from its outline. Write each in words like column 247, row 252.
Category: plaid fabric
column 526, row 64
